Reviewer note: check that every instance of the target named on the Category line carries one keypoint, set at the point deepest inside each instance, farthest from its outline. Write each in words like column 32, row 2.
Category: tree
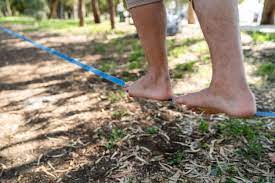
column 269, row 12
column 8, row 8
column 112, row 13
column 96, row 11
column 80, row 12
column 53, row 9
column 38, row 8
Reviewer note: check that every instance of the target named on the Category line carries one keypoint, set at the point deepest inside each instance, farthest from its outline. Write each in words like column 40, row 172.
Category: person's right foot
column 151, row 86
column 237, row 103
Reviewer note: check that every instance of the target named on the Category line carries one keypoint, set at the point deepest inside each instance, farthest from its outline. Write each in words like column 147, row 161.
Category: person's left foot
column 238, row 103
column 151, row 86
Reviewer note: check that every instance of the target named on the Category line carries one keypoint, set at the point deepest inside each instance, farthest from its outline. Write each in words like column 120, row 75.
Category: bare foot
column 151, row 86
column 237, row 103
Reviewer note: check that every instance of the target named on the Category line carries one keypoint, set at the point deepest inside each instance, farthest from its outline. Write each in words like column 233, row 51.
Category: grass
column 176, row 158
column 115, row 136
column 262, row 37
column 236, row 129
column 223, row 169
column 153, row 130
column 203, row 126
column 64, row 25
column 118, row 114
column 177, row 48
column 117, row 96
column 241, row 135
column 267, row 70
column 181, row 69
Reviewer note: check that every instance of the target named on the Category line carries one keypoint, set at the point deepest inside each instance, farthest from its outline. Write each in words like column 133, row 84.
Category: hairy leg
column 150, row 21
column 228, row 91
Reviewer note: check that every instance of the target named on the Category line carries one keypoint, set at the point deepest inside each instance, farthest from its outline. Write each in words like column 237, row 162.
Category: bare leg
column 150, row 21
column 228, row 91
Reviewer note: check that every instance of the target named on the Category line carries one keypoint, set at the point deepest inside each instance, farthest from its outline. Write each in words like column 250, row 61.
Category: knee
column 136, row 3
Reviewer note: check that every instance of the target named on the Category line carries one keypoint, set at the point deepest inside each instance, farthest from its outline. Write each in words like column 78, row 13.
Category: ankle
column 229, row 88
column 159, row 74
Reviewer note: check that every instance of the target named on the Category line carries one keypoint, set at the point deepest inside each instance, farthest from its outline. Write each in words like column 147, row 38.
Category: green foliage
column 267, row 70
column 38, row 8
column 205, row 58
column 236, row 129
column 127, row 76
column 229, row 180
column 136, row 55
column 118, row 114
column 107, row 66
column 152, row 130
column 100, row 48
column 136, row 59
column 116, row 96
column 181, row 69
column 252, row 150
column 203, row 126
column 223, row 169
column 176, row 48
column 262, row 37
column 115, row 135
column 176, row 158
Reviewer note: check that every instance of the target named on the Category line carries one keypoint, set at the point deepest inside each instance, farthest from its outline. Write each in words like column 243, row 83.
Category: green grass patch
column 107, row 66
column 177, row 48
column 176, row 158
column 203, row 126
column 262, row 37
column 200, row 47
column 252, row 150
column 115, row 136
column 267, row 70
column 118, row 114
column 236, row 129
column 58, row 25
column 17, row 20
column 136, row 59
column 128, row 76
column 223, row 169
column 99, row 48
column 136, row 55
column 205, row 58
column 153, row 130
column 182, row 69
column 117, row 96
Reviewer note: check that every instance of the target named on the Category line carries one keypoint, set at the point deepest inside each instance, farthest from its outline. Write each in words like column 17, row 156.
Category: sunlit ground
column 59, row 123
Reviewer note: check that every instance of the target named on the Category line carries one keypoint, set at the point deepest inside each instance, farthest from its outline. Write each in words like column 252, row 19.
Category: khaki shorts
column 135, row 3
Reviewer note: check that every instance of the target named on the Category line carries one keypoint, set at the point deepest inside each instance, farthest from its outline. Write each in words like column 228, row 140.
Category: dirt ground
column 61, row 124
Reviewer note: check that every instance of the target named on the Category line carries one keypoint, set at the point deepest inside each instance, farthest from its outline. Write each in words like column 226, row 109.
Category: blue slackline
column 86, row 67
column 66, row 58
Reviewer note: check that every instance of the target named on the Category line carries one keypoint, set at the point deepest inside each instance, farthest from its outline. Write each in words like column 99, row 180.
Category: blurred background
column 60, row 124
column 252, row 12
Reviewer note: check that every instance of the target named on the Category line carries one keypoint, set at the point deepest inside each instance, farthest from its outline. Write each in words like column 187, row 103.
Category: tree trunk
column 96, row 12
column 75, row 9
column 112, row 13
column 53, row 9
column 80, row 12
column 8, row 8
column 268, row 12
column 191, row 14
